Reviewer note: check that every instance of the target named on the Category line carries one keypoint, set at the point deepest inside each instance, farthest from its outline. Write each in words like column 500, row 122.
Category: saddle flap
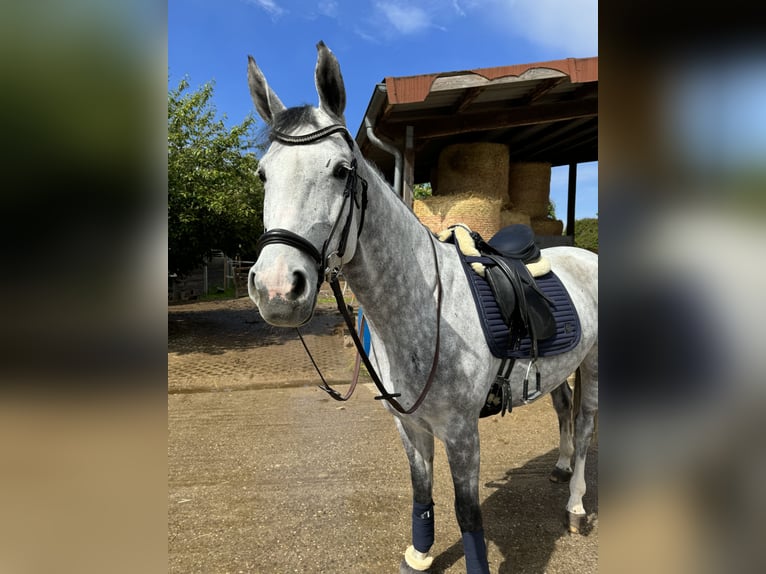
column 541, row 319
column 503, row 291
column 529, row 304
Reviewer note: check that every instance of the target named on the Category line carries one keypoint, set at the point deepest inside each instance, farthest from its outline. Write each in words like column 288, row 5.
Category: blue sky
column 210, row 40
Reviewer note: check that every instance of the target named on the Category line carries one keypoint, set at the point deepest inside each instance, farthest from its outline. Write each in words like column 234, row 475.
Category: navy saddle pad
column 496, row 330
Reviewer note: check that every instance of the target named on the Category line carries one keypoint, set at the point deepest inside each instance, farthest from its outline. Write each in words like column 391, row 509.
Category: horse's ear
column 329, row 83
column 266, row 101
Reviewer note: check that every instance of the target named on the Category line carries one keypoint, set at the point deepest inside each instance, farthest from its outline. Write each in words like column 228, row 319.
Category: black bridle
column 329, row 266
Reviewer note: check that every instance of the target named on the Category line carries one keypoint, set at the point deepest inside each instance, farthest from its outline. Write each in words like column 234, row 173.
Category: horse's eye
column 341, row 171
column 261, row 175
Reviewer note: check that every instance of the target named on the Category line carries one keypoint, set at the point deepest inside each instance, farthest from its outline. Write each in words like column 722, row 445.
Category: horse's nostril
column 252, row 290
column 299, row 285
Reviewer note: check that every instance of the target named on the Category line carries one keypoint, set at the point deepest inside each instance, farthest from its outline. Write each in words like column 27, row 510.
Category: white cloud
column 569, row 25
column 407, row 19
column 366, row 36
column 269, row 5
column 457, row 7
column 328, row 8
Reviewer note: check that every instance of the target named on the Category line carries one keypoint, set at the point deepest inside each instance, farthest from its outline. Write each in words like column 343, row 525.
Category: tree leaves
column 215, row 199
column 586, row 233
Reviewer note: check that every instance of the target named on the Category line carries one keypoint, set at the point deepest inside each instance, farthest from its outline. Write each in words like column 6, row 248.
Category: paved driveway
column 267, row 474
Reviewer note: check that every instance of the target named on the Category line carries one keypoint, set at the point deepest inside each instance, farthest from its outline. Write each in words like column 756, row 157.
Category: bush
column 586, row 233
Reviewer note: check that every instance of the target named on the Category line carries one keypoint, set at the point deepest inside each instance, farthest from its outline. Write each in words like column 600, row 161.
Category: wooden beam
column 387, row 111
column 408, row 192
column 544, row 87
column 547, row 133
column 508, row 118
column 571, row 193
column 566, row 140
column 468, row 97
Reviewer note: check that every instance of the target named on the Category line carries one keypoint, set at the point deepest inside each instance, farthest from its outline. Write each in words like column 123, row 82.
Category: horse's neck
column 392, row 272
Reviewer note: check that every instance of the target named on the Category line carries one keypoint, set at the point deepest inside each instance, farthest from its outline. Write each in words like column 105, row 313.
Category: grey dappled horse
column 391, row 262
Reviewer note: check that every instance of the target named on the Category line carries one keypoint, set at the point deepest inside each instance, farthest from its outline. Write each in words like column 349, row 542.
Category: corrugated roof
column 545, row 111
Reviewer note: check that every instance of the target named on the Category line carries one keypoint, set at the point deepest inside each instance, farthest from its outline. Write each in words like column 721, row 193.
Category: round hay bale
column 481, row 214
column 479, row 169
column 529, row 187
column 509, row 217
column 543, row 226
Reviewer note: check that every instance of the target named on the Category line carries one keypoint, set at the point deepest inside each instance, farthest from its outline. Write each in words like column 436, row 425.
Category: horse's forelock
column 289, row 120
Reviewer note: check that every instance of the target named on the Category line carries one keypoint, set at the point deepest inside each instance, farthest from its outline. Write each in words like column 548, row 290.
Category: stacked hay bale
column 475, row 184
column 481, row 214
column 529, row 185
column 471, row 186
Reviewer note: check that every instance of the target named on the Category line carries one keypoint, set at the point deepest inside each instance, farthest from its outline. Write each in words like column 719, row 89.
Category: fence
column 239, row 272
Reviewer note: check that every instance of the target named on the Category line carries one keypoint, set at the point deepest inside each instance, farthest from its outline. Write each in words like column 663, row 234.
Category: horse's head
column 313, row 198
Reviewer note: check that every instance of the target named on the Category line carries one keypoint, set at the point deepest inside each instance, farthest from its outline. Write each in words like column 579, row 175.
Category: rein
column 329, row 267
column 385, row 395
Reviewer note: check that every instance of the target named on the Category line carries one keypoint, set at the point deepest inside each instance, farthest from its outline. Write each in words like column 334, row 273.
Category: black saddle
column 525, row 308
column 516, row 242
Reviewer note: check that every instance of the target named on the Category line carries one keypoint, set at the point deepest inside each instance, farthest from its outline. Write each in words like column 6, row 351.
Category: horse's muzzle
column 285, row 294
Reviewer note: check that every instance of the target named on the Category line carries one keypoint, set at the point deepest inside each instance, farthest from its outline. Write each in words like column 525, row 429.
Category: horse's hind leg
column 584, row 427
column 419, row 446
column 562, row 402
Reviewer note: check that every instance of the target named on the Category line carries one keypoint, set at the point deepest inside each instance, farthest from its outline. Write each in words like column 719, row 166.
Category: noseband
column 328, row 265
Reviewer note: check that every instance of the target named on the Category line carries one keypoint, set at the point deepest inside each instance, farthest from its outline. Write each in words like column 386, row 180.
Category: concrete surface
column 266, row 474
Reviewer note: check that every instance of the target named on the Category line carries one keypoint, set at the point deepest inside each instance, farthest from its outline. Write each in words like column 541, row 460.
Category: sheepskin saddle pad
column 522, row 304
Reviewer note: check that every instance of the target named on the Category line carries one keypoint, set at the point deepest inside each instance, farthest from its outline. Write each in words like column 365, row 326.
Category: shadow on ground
column 524, row 518
column 215, row 327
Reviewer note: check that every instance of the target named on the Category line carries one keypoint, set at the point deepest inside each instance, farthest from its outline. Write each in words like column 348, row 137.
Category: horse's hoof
column 576, row 522
column 560, row 475
column 405, row 568
column 415, row 561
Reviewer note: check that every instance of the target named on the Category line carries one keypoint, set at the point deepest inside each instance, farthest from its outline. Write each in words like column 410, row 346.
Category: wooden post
column 204, row 279
column 572, row 192
column 408, row 193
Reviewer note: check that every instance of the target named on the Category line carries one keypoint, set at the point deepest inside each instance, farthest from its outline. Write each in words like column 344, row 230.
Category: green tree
column 586, row 233
column 215, row 199
column 551, row 210
column 422, row 190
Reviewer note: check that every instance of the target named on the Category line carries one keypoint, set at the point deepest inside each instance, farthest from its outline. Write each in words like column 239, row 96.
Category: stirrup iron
column 528, row 397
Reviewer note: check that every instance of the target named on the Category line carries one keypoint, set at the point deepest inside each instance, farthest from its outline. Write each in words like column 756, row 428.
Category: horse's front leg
column 419, row 446
column 463, row 454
